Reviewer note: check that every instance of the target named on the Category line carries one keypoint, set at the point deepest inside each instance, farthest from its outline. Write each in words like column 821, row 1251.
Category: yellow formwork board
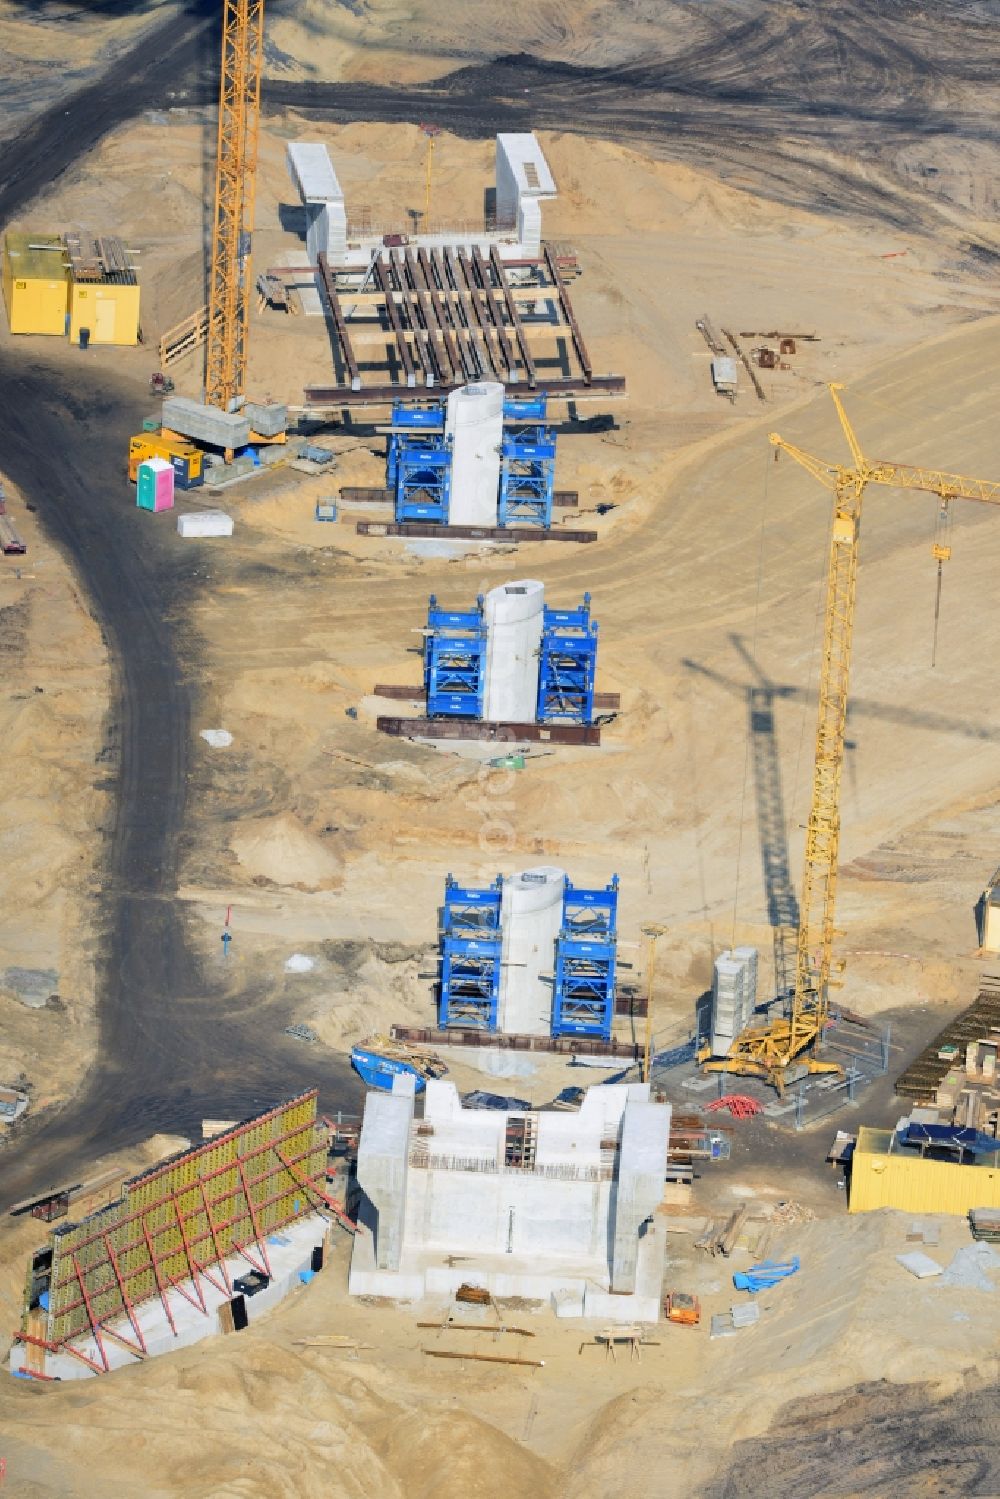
column 166, row 1208
column 883, row 1179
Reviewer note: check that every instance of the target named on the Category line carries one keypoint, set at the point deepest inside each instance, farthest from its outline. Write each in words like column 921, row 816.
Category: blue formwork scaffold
column 455, row 661
column 471, row 944
column 567, row 665
column 419, row 462
column 583, row 1002
column 527, row 479
column 455, row 645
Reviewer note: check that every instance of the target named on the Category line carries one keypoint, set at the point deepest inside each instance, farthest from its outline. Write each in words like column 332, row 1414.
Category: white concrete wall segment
column 530, row 917
column 311, row 170
column 326, row 232
column 383, row 1164
column 561, row 1223
column 529, row 227
column 514, row 614
column 638, row 1188
column 521, row 172
column 474, row 423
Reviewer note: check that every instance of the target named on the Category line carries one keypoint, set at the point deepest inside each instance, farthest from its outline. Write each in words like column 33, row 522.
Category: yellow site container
column 35, row 283
column 185, row 458
column 884, row 1178
column 109, row 309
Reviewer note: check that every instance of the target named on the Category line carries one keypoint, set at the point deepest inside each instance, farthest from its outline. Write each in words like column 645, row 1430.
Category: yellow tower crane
column 767, row 1051
column 236, row 167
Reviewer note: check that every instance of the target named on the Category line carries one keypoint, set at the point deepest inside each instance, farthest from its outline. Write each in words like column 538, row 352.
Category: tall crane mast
column 766, row 1051
column 236, row 167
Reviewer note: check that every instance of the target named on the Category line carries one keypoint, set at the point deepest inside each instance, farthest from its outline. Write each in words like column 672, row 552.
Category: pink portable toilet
column 154, row 488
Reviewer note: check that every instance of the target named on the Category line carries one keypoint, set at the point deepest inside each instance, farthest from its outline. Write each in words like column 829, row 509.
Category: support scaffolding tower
column 471, row 944
column 586, row 952
column 455, row 661
column 567, row 666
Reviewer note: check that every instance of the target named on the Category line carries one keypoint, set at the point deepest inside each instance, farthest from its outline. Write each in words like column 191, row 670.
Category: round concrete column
column 531, row 918
column 514, row 615
column 474, row 423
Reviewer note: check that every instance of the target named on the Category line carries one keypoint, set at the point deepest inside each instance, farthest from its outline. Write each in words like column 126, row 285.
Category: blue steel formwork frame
column 418, row 463
column 527, row 480
column 567, row 665
column 471, row 944
column 455, row 661
column 583, row 1001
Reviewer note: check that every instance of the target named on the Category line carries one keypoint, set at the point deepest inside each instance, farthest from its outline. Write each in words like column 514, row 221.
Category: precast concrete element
column 311, row 170
column 474, row 424
column 532, row 1204
column 514, row 615
column 531, row 914
column 524, row 182
column 638, row 1187
column 383, row 1163
column 266, row 418
column 734, row 996
column 219, row 429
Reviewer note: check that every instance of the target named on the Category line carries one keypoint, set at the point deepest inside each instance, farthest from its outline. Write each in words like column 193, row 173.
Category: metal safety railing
column 551, row 1171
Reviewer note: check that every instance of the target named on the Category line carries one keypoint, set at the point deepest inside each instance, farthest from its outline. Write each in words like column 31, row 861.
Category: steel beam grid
column 470, row 981
column 230, row 279
column 154, row 1236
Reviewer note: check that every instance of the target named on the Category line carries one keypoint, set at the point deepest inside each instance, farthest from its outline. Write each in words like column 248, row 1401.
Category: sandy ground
column 52, row 719
column 49, row 48
column 331, row 841
column 267, row 1414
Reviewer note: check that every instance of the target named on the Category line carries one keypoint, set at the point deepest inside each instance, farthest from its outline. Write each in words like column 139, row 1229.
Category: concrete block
column 268, row 418
column 205, row 523
column 219, row 429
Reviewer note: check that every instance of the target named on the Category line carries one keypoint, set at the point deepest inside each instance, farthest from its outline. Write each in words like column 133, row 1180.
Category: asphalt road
column 761, row 91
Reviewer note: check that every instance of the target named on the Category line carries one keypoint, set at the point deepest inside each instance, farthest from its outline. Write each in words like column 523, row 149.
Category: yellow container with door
column 885, row 1177
column 35, row 283
column 110, row 311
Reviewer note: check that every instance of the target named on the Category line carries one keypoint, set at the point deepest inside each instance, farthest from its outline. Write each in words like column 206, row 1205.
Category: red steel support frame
column 95, row 1326
column 219, row 1260
column 331, row 1202
column 126, row 1301
column 258, row 1239
column 26, row 1337
column 156, row 1272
